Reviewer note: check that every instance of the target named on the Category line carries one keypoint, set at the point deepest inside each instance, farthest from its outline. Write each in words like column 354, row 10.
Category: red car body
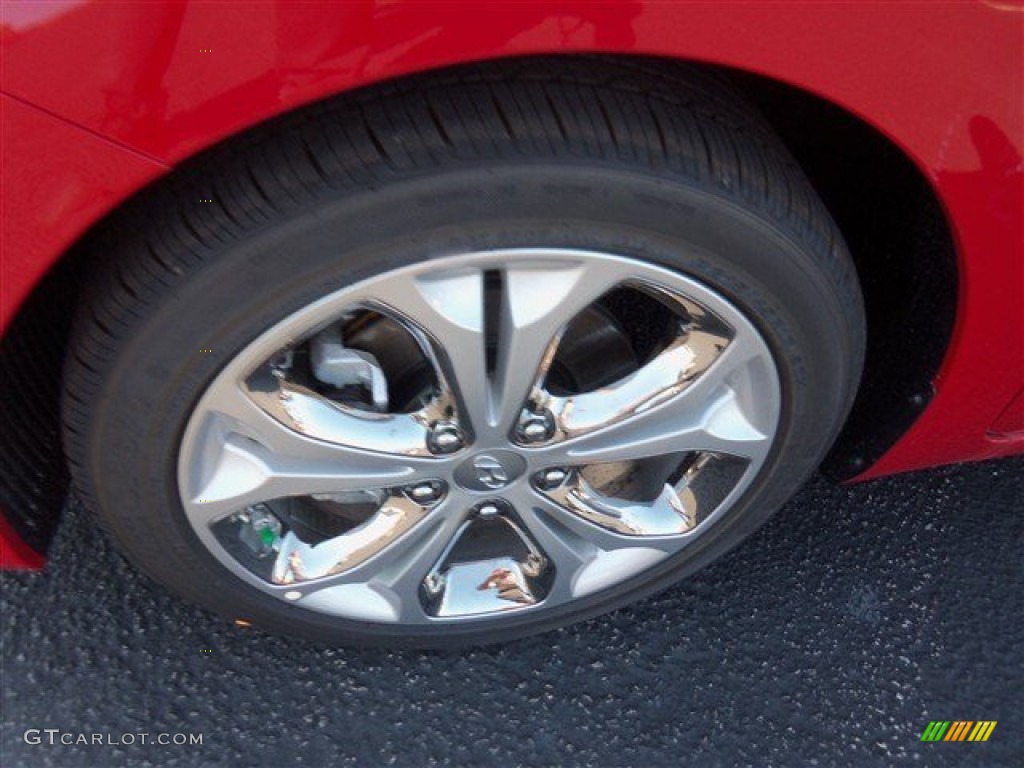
column 102, row 98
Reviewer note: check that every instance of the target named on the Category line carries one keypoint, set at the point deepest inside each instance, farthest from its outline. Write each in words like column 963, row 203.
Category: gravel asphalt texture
column 830, row 637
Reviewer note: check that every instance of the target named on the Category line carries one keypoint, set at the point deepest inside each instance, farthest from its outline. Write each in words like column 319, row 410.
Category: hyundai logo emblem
column 489, row 471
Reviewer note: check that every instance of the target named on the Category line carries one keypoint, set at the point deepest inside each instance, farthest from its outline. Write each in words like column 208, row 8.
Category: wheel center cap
column 490, row 470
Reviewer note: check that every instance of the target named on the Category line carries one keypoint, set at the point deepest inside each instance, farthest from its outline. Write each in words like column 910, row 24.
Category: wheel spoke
column 728, row 409
column 242, row 456
column 305, row 412
column 373, row 572
column 408, row 563
column 540, row 298
column 567, row 552
column 300, row 562
column 664, row 515
column 235, row 412
column 449, row 308
column 244, row 473
column 586, row 557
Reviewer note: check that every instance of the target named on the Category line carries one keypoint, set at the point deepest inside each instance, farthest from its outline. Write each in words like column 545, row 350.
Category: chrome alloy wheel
column 498, row 431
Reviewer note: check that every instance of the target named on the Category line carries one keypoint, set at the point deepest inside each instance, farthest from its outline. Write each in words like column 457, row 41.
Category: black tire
column 589, row 153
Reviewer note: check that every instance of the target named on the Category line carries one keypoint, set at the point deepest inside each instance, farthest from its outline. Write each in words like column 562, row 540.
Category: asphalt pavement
column 831, row 637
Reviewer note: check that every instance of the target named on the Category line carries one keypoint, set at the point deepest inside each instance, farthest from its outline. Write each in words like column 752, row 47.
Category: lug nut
column 425, row 493
column 445, row 437
column 492, row 509
column 488, row 511
column 549, row 479
column 536, row 427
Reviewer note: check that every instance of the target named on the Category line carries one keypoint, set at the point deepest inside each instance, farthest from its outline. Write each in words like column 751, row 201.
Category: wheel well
column 892, row 221
column 904, row 252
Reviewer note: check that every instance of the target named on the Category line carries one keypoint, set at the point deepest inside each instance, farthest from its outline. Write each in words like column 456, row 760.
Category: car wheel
column 464, row 360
